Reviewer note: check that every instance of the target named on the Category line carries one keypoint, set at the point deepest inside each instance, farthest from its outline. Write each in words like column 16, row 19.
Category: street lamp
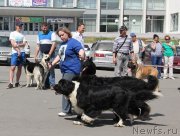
column 125, row 21
column 134, row 21
column 116, row 20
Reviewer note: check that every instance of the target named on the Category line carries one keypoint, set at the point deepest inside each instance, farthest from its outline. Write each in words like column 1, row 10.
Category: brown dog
column 141, row 72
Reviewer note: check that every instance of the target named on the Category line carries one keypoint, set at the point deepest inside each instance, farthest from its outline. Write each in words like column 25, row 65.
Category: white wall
column 172, row 7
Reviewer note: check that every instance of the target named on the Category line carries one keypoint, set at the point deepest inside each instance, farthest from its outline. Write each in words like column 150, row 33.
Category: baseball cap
column 19, row 24
column 123, row 28
column 132, row 34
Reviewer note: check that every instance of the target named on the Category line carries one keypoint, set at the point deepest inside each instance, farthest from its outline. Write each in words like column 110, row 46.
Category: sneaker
column 52, row 87
column 17, row 84
column 63, row 114
column 172, row 78
column 165, row 77
column 10, row 86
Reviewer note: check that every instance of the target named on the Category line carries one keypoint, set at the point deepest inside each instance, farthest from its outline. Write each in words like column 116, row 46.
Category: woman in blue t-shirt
column 70, row 55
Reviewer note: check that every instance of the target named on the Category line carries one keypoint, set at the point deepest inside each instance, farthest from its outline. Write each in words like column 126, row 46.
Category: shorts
column 15, row 60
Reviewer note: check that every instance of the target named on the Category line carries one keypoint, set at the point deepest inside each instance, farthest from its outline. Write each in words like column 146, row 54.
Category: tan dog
column 141, row 72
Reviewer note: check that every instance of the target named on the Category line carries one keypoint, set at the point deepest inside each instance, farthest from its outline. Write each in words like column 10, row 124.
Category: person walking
column 46, row 44
column 138, row 47
column 168, row 52
column 70, row 55
column 18, row 43
column 156, row 53
column 122, row 52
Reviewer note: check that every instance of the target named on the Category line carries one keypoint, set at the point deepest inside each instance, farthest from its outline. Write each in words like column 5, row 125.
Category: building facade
column 140, row 16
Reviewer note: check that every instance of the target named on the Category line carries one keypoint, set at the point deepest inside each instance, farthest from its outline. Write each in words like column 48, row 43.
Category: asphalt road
column 28, row 112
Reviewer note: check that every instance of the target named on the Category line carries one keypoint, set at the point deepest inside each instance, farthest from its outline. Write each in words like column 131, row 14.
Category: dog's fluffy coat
column 90, row 100
column 142, row 72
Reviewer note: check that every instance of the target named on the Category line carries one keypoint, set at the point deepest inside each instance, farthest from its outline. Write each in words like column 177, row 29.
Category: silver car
column 5, row 50
column 101, row 52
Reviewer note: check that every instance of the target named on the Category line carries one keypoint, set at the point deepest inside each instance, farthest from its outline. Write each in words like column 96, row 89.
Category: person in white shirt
column 18, row 43
column 78, row 35
column 138, row 47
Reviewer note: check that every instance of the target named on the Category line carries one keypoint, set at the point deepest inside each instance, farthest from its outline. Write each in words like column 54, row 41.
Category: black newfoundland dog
column 89, row 97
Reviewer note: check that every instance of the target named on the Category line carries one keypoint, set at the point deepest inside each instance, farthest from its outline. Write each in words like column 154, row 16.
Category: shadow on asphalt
column 107, row 119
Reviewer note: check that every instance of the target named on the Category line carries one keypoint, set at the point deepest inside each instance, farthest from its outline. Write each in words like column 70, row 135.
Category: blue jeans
column 66, row 104
column 157, row 60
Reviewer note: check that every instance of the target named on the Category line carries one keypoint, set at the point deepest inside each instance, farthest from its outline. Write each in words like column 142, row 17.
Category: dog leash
column 177, row 67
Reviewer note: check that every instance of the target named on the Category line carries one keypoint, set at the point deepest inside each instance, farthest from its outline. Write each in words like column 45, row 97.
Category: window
column 133, row 23
column 109, row 4
column 133, row 4
column 155, row 24
column 108, row 24
column 1, row 23
column 89, row 21
column 156, row 4
column 174, row 22
column 63, row 3
column 6, row 23
column 1, row 2
column 89, row 4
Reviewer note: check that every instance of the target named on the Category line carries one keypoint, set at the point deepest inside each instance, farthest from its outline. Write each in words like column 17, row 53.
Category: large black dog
column 127, row 83
column 90, row 100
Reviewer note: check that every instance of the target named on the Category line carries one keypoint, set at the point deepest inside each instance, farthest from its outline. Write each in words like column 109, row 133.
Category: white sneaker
column 63, row 114
column 165, row 77
column 172, row 78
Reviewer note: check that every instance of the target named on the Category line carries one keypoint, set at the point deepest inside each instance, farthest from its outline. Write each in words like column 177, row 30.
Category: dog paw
column 119, row 124
column 87, row 119
column 27, row 85
column 77, row 123
column 36, row 88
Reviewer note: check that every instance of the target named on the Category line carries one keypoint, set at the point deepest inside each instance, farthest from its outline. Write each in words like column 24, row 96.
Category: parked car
column 5, row 50
column 101, row 52
column 176, row 62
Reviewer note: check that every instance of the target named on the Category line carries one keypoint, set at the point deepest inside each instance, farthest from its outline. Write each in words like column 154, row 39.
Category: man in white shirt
column 138, row 47
column 18, row 43
column 78, row 35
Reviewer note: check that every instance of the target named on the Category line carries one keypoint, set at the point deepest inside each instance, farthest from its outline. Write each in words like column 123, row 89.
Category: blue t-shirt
column 69, row 53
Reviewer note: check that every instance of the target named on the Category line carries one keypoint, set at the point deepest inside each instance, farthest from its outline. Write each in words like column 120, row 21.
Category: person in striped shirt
column 46, row 44
column 122, row 52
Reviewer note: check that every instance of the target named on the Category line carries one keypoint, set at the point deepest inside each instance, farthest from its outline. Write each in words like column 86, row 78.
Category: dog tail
column 146, row 95
column 152, row 82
